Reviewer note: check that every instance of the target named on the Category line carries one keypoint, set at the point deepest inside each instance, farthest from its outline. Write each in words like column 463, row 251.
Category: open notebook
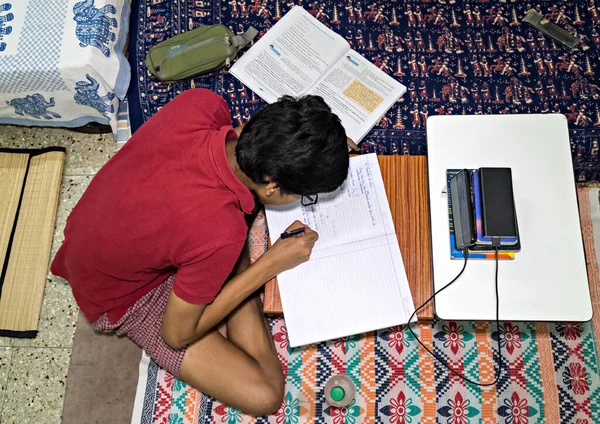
column 355, row 280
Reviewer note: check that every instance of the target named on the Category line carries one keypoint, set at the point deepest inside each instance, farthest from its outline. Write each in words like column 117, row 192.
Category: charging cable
column 495, row 244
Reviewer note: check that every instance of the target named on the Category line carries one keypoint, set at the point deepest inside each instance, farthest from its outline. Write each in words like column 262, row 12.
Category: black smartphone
column 497, row 201
column 462, row 209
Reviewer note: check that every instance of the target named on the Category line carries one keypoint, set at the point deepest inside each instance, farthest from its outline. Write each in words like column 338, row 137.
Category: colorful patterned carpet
column 455, row 57
column 551, row 372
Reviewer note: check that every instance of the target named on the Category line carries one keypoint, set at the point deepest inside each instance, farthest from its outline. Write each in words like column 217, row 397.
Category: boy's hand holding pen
column 293, row 247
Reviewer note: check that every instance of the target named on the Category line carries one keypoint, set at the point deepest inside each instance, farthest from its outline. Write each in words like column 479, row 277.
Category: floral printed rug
column 551, row 372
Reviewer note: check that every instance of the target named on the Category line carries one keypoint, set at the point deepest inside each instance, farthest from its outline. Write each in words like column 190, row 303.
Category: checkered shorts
column 141, row 323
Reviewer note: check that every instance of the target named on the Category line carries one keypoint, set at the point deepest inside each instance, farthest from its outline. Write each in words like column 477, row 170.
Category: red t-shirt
column 167, row 201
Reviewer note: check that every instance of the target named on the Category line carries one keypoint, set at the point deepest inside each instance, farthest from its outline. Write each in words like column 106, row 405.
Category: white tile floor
column 33, row 372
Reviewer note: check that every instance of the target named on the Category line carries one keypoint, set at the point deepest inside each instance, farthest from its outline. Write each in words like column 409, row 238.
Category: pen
column 292, row 233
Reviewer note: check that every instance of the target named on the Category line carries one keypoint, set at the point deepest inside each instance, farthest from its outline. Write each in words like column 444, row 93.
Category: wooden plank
column 405, row 179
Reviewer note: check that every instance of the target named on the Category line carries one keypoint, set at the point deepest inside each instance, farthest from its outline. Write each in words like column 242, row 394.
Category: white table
column 547, row 281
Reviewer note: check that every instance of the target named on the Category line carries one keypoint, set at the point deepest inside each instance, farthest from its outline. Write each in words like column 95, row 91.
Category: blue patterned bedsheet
column 62, row 61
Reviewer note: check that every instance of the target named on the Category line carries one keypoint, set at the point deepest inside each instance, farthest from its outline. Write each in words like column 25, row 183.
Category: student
column 156, row 248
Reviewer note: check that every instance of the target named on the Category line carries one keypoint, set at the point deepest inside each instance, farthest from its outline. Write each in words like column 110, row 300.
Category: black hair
column 299, row 143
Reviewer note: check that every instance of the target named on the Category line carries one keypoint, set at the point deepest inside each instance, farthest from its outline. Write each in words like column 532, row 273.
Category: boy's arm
column 184, row 322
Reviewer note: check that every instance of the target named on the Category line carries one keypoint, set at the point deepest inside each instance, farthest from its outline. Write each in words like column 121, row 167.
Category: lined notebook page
column 355, row 280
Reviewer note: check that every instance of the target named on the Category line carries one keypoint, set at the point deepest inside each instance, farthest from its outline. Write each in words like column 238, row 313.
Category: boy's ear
column 271, row 187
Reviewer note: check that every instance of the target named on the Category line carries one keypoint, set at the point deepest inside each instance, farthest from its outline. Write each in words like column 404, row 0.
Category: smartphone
column 480, row 239
column 462, row 209
column 497, row 203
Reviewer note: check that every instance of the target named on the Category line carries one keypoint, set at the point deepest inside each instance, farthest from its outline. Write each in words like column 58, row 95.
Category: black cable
column 440, row 360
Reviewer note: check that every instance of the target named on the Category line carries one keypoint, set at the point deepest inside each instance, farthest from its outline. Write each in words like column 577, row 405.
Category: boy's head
column 293, row 147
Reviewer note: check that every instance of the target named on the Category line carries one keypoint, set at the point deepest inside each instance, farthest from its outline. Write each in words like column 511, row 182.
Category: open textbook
column 355, row 280
column 300, row 55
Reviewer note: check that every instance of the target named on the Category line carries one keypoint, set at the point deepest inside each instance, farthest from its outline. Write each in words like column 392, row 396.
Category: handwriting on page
column 355, row 269
column 335, row 215
column 355, row 212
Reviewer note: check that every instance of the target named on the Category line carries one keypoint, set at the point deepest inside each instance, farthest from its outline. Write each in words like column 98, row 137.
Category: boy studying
column 156, row 247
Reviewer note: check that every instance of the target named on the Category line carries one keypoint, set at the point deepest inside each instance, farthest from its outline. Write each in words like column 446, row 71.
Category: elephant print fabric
column 34, row 105
column 87, row 95
column 5, row 29
column 63, row 63
column 94, row 25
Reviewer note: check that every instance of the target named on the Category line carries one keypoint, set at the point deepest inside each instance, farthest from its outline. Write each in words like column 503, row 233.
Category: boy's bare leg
column 217, row 367
column 247, row 327
column 241, row 370
column 249, row 330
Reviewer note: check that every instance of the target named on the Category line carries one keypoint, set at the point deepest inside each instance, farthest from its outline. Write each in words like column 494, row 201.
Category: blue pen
column 292, row 233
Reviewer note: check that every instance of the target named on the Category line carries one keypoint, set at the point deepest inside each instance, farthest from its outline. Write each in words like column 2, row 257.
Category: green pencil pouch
column 197, row 52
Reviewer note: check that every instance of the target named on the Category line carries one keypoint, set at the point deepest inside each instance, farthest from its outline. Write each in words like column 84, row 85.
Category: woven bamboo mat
column 29, row 189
